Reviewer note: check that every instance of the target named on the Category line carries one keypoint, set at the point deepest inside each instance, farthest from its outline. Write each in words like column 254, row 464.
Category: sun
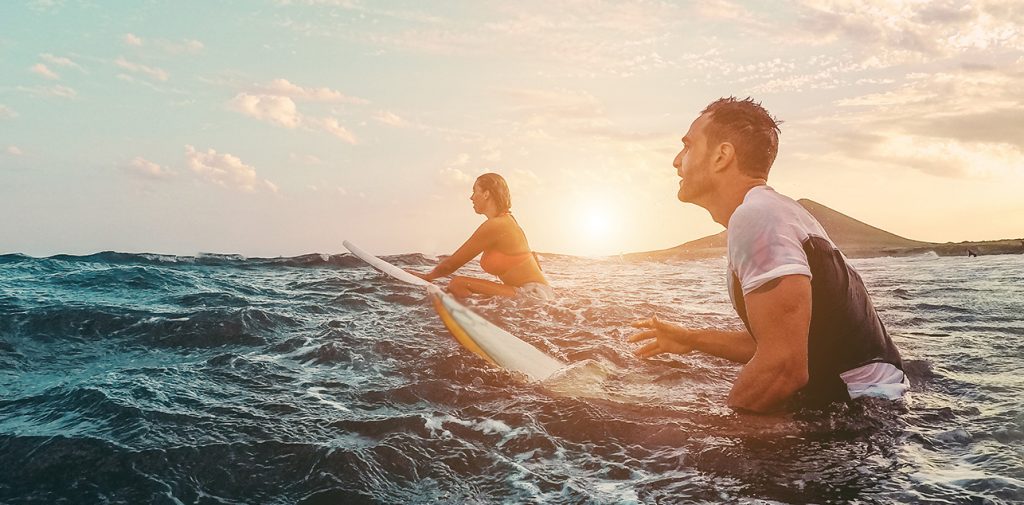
column 597, row 225
column 597, row 229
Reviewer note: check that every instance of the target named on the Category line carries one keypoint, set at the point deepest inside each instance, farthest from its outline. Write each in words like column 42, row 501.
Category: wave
column 311, row 260
column 206, row 328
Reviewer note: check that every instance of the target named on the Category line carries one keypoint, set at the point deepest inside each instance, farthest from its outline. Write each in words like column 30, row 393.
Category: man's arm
column 779, row 314
column 737, row 346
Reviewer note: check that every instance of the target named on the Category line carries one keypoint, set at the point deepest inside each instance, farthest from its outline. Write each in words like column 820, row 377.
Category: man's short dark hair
column 749, row 128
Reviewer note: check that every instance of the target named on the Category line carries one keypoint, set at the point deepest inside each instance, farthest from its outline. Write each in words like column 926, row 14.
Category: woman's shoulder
column 501, row 221
column 501, row 226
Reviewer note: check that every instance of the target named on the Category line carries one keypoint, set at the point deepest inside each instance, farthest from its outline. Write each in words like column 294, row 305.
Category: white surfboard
column 475, row 333
column 384, row 266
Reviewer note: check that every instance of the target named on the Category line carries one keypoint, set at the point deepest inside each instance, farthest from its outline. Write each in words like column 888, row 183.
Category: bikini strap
column 534, row 253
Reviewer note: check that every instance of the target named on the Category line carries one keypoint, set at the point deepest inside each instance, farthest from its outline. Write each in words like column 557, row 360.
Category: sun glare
column 596, row 225
column 596, row 231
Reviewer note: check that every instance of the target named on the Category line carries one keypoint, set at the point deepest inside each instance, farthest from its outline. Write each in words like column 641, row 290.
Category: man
column 812, row 335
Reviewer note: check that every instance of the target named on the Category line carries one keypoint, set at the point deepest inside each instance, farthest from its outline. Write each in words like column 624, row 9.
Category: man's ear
column 723, row 156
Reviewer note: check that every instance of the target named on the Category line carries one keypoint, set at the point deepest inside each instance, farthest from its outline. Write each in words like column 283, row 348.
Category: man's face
column 693, row 163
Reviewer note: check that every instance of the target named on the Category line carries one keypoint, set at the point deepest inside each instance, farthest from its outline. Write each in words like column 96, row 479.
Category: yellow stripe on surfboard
column 480, row 336
column 456, row 330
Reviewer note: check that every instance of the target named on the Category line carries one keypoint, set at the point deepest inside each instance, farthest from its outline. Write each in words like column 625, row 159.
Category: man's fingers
column 648, row 350
column 643, row 323
column 643, row 335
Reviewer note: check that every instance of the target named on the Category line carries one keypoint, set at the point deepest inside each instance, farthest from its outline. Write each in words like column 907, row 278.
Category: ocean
column 143, row 378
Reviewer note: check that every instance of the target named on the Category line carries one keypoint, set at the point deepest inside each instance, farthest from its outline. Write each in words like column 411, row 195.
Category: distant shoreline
column 984, row 248
column 855, row 238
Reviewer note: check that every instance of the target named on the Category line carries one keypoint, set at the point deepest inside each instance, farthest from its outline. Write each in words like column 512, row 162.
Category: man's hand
column 667, row 337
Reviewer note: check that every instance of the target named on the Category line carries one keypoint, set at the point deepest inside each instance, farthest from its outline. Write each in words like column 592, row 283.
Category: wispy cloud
column 567, row 114
column 279, row 110
column 454, row 173
column 14, row 151
column 60, row 61
column 369, row 10
column 132, row 40
column 152, row 72
column 187, row 46
column 331, row 125
column 46, row 5
column 914, row 29
column 282, row 87
column 57, row 90
column 142, row 167
column 44, row 71
column 275, row 103
column 305, row 159
column 592, row 37
column 390, row 119
column 967, row 122
column 7, row 112
column 225, row 170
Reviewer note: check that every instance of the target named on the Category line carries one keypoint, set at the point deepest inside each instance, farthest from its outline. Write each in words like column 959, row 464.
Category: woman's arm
column 484, row 236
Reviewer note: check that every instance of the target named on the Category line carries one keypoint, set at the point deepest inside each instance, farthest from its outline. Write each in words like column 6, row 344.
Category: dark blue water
column 218, row 379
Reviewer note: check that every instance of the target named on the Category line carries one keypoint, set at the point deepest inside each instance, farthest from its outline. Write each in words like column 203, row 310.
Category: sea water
column 136, row 378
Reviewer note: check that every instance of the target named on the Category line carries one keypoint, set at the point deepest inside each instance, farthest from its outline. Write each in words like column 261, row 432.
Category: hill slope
column 855, row 238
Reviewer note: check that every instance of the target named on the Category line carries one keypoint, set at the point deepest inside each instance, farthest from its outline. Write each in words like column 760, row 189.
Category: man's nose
column 678, row 162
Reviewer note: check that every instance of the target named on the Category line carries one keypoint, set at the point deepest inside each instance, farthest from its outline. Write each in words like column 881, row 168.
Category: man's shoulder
column 759, row 209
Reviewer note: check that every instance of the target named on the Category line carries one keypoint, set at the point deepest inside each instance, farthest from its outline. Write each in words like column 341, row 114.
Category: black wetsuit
column 771, row 236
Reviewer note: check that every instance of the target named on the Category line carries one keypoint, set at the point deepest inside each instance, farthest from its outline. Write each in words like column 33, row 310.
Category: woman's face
column 479, row 198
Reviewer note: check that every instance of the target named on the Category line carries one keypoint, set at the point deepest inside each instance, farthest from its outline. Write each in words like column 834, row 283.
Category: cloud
column 964, row 123
column 523, row 179
column 152, row 72
column 14, row 151
column 550, row 113
column 142, row 167
column 282, row 87
column 43, row 5
column 453, row 175
column 225, row 170
column 274, row 103
column 132, row 40
column 582, row 37
column 279, row 110
column 7, row 112
column 42, row 70
column 187, row 46
column 60, row 61
column 913, row 29
column 357, row 6
column 56, row 90
column 305, row 159
column 330, row 125
column 390, row 119
column 542, row 105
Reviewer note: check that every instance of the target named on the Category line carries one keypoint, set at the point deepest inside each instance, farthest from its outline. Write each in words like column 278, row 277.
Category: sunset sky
column 270, row 128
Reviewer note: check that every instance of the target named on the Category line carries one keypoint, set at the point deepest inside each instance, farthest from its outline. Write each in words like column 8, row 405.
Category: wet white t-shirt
column 766, row 234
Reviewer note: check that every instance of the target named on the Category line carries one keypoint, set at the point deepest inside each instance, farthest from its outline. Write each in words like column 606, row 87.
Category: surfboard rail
column 471, row 330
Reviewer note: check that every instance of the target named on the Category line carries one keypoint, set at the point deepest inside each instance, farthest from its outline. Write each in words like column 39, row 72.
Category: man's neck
column 729, row 198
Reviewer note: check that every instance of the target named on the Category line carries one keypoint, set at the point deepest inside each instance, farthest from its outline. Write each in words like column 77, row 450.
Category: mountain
column 855, row 238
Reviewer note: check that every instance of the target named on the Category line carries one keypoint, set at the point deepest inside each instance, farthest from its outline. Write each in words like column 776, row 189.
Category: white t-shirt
column 766, row 236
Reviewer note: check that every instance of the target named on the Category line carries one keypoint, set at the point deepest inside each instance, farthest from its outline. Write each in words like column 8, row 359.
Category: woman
column 506, row 253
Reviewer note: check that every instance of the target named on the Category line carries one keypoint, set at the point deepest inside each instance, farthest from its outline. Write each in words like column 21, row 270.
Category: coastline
column 855, row 238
